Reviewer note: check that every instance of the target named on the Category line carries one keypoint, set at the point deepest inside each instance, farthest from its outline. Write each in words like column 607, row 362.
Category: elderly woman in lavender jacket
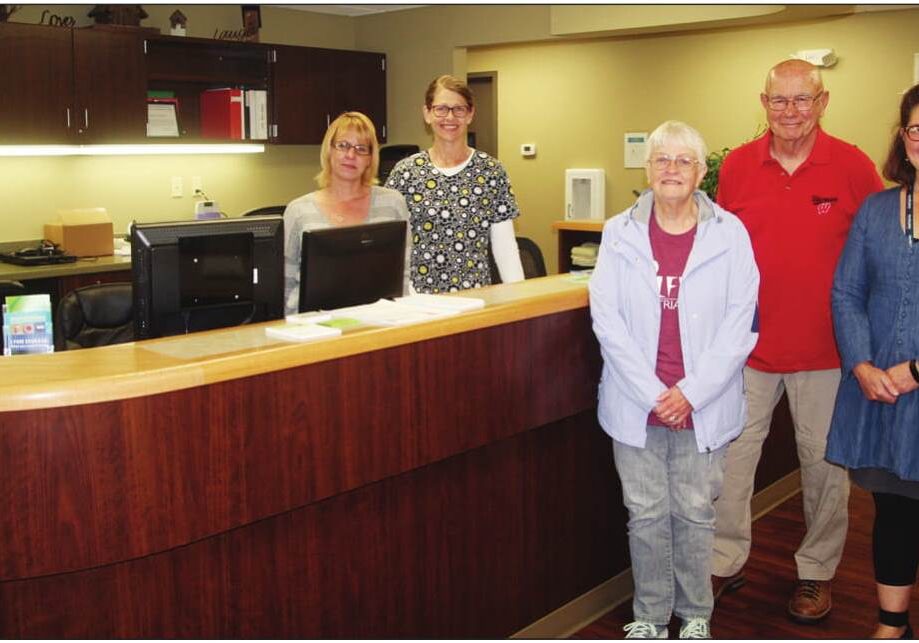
column 673, row 301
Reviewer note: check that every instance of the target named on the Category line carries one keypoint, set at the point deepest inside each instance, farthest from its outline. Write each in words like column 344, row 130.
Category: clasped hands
column 879, row 385
column 673, row 408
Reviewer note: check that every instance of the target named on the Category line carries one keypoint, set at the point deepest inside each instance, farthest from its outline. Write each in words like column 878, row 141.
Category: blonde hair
column 365, row 130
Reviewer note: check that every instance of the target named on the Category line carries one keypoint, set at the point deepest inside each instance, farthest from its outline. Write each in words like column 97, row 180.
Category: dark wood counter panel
column 452, row 483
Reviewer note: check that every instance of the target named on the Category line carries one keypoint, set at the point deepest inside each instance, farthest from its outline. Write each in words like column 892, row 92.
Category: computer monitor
column 198, row 275
column 352, row 265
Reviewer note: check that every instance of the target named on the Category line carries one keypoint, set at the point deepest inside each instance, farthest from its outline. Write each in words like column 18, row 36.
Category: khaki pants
column 811, row 397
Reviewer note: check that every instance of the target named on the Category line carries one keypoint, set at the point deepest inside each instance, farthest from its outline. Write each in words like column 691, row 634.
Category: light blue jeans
column 669, row 489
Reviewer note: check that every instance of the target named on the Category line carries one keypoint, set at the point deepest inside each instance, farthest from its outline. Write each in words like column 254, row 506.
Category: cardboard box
column 85, row 232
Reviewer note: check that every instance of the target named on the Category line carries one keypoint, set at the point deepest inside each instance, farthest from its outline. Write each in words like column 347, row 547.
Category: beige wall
column 573, row 98
column 139, row 187
column 576, row 99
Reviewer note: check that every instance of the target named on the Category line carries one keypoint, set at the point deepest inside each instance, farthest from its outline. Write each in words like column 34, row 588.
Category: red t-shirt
column 670, row 252
column 798, row 225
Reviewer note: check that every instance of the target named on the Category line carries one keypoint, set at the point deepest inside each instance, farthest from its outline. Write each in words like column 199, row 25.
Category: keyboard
column 35, row 260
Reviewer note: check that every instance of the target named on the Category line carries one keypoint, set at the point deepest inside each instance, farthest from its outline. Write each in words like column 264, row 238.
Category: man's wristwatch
column 914, row 369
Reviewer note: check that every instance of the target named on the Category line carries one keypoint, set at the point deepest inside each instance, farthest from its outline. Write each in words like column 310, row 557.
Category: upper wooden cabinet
column 70, row 85
column 89, row 85
column 188, row 66
column 312, row 86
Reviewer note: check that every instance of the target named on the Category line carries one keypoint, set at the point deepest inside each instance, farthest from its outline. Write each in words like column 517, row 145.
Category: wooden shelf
column 574, row 233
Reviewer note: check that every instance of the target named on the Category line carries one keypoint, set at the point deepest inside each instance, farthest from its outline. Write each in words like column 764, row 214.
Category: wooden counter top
column 581, row 226
column 173, row 363
column 87, row 265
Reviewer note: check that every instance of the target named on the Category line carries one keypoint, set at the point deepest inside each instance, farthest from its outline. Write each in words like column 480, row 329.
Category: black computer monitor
column 352, row 265
column 198, row 275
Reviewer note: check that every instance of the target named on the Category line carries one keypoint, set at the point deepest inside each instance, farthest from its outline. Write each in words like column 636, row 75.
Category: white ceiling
column 349, row 9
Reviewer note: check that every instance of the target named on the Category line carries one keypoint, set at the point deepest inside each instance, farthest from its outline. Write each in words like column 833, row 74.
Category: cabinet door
column 110, row 81
column 37, row 81
column 301, row 94
column 360, row 86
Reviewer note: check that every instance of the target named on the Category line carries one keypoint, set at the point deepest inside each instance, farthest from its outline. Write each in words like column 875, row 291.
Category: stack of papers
column 301, row 332
column 413, row 309
column 585, row 255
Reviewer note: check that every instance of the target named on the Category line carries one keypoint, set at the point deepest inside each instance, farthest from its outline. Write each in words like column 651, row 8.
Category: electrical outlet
column 196, row 185
column 176, row 187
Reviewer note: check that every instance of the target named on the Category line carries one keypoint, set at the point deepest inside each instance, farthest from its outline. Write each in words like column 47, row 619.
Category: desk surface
column 84, row 266
column 581, row 226
column 173, row 363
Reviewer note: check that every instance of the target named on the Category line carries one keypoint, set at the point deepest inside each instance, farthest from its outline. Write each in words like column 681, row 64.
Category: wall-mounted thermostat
column 635, row 144
column 528, row 150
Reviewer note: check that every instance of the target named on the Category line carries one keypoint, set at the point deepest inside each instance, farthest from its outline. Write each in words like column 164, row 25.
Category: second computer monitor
column 352, row 265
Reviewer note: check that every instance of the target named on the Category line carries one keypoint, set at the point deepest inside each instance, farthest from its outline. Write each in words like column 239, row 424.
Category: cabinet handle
column 86, row 118
column 68, row 118
column 328, row 121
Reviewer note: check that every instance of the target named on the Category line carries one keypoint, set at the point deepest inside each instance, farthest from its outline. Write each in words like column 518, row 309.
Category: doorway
column 483, row 132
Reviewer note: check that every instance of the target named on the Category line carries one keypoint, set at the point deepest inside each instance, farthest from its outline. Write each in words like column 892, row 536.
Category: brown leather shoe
column 811, row 601
column 727, row 584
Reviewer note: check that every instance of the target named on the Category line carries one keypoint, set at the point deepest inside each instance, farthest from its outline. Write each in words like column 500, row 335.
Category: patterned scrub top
column 451, row 217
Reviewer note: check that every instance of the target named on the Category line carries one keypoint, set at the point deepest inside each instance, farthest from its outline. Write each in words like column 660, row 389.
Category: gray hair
column 677, row 133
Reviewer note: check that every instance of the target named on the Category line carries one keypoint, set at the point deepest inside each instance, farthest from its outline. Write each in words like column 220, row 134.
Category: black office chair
column 392, row 154
column 530, row 258
column 268, row 209
column 97, row 315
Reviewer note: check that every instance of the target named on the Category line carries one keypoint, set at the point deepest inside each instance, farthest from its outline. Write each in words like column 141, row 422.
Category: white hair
column 677, row 133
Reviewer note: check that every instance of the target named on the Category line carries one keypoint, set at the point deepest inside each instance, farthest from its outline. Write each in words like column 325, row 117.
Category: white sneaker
column 644, row 630
column 695, row 628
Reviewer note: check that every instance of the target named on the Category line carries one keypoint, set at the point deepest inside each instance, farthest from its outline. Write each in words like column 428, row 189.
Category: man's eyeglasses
column 459, row 111
column 912, row 133
column 344, row 146
column 802, row 103
column 661, row 162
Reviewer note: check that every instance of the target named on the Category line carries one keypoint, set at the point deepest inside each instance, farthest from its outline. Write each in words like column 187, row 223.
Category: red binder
column 222, row 114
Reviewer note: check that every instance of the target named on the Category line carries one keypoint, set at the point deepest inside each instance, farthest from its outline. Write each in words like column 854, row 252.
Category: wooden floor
column 757, row 610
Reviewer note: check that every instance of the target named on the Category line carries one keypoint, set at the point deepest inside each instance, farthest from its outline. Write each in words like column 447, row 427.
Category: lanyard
column 909, row 214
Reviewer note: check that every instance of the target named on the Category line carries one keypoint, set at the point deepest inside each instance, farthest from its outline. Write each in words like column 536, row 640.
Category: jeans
column 669, row 489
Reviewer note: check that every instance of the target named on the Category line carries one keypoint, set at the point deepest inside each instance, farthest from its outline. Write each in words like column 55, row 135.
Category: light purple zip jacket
column 718, row 323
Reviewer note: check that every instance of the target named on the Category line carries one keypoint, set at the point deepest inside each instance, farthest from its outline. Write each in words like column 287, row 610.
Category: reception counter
column 444, row 480
column 440, row 480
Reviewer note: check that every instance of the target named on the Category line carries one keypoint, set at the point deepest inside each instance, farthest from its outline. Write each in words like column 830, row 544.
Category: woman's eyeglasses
column 912, row 133
column 344, row 146
column 459, row 111
column 661, row 162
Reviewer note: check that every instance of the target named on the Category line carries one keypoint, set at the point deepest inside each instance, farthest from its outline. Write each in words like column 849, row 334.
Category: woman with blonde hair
column 347, row 195
column 460, row 200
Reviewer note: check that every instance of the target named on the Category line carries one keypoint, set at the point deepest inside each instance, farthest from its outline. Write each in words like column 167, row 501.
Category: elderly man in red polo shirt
column 797, row 190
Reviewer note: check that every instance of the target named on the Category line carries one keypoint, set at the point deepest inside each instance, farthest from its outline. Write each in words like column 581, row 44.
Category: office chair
column 530, row 258
column 390, row 155
column 96, row 315
column 268, row 209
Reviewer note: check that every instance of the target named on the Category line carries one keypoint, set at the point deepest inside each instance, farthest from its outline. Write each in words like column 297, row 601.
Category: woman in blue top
column 875, row 428
column 460, row 200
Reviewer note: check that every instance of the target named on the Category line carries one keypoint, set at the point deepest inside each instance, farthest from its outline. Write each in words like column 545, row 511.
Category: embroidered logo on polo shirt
column 823, row 203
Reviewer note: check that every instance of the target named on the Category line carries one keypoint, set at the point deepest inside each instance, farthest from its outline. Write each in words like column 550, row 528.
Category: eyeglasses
column 912, row 133
column 344, row 146
column 459, row 111
column 662, row 162
column 802, row 103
